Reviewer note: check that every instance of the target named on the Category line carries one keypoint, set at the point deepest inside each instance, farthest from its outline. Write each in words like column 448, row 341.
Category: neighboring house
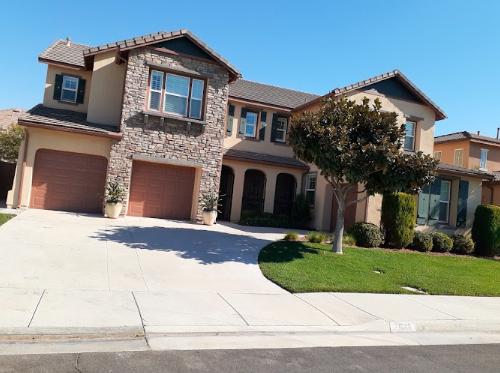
column 170, row 119
column 8, row 117
column 476, row 152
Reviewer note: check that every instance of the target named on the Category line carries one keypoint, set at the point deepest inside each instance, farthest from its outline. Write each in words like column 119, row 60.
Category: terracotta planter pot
column 113, row 210
column 209, row 217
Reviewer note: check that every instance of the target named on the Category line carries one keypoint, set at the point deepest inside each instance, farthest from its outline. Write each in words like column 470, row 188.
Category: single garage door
column 68, row 181
column 161, row 191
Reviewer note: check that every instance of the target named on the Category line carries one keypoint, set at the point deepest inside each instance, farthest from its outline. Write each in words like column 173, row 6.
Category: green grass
column 307, row 267
column 4, row 218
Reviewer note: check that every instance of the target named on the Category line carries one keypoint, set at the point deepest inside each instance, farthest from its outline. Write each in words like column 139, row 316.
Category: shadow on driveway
column 208, row 247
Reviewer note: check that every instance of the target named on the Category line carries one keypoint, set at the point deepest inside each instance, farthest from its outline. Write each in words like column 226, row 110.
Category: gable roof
column 465, row 135
column 75, row 54
column 268, row 94
column 394, row 74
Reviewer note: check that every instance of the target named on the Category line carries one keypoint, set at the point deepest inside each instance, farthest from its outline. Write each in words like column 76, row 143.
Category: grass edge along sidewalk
column 307, row 267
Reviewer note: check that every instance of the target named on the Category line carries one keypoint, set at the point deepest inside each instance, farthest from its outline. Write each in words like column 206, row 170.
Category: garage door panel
column 162, row 191
column 68, row 181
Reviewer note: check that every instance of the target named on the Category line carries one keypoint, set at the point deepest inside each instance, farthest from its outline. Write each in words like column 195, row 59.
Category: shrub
column 398, row 219
column 301, row 212
column 349, row 240
column 317, row 237
column 441, row 242
column 366, row 234
column 462, row 244
column 114, row 193
column 291, row 236
column 422, row 241
column 486, row 230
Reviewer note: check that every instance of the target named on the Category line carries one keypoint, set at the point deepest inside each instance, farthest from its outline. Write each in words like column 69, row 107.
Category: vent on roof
column 68, row 41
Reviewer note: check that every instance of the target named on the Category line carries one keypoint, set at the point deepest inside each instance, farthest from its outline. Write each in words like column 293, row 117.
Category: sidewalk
column 183, row 320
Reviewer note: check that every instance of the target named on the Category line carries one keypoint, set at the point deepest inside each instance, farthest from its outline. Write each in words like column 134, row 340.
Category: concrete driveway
column 58, row 250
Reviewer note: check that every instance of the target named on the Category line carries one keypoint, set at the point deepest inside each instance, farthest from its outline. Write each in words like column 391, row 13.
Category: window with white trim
column 437, row 155
column 69, row 89
column 281, row 128
column 458, row 157
column 444, row 201
column 252, row 119
column 176, row 94
column 483, row 162
column 310, row 187
column 409, row 141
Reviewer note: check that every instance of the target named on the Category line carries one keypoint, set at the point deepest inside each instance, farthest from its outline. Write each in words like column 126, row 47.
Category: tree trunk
column 339, row 226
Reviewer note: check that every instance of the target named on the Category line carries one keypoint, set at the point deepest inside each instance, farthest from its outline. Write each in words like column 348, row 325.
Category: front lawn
column 4, row 218
column 307, row 267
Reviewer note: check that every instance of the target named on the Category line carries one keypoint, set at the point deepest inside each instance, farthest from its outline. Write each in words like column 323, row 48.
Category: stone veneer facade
column 173, row 140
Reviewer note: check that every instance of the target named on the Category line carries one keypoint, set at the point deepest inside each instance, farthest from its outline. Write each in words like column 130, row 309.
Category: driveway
column 57, row 250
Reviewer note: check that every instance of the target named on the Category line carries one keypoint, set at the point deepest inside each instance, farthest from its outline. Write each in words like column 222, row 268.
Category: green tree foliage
column 10, row 142
column 398, row 219
column 355, row 144
column 486, row 230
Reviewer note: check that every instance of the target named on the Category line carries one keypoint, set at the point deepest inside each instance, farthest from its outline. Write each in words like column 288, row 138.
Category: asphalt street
column 442, row 359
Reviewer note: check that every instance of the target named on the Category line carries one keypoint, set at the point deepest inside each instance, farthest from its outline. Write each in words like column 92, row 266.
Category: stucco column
column 452, row 218
column 270, row 190
column 239, row 178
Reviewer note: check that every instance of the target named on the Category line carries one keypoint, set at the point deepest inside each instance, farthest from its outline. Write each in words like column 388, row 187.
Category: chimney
column 68, row 42
column 478, row 133
column 498, row 133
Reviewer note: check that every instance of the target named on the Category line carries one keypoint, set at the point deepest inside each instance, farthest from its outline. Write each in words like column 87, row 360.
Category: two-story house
column 476, row 152
column 170, row 120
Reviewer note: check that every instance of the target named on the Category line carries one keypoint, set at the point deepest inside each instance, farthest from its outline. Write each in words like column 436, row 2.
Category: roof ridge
column 452, row 133
column 276, row 86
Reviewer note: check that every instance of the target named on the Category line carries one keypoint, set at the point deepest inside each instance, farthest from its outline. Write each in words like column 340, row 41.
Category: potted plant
column 210, row 203
column 114, row 199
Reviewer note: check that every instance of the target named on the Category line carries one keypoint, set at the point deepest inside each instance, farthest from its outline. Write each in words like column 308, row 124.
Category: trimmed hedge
column 441, row 242
column 366, row 235
column 462, row 244
column 398, row 219
column 291, row 236
column 422, row 242
column 486, row 230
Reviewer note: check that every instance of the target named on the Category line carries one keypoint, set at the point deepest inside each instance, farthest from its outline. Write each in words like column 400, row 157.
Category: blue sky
column 450, row 49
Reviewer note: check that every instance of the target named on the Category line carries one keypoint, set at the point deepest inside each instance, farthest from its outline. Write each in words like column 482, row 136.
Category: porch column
column 270, row 191
column 239, row 180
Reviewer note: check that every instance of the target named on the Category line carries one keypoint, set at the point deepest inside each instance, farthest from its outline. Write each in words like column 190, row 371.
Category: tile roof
column 264, row 158
column 440, row 114
column 65, row 52
column 268, row 94
column 74, row 54
column 445, row 167
column 496, row 175
column 455, row 136
column 64, row 119
column 8, row 117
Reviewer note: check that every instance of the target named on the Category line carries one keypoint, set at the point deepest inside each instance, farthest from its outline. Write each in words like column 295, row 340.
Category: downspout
column 21, row 179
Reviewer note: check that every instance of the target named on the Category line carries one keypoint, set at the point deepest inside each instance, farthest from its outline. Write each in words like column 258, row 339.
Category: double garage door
column 76, row 182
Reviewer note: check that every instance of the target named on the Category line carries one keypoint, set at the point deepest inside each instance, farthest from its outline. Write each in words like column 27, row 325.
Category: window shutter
column 434, row 197
column 263, row 125
column 81, row 91
column 230, row 116
column 463, row 195
column 423, row 206
column 243, row 122
column 274, row 125
column 57, row 87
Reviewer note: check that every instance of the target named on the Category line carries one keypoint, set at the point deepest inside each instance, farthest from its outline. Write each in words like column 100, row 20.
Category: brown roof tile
column 264, row 158
column 455, row 136
column 457, row 170
column 268, row 94
column 63, row 52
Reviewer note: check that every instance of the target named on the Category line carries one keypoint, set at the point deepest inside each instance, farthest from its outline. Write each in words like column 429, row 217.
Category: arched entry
column 284, row 194
column 226, row 192
column 254, row 189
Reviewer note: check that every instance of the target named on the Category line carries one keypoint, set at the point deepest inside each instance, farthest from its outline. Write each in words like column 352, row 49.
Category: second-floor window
column 176, row 94
column 458, row 159
column 483, row 161
column 251, row 123
column 69, row 89
column 409, row 141
column 310, row 187
column 281, row 127
column 437, row 155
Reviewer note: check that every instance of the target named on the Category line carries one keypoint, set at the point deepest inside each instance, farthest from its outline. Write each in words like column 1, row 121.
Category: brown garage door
column 68, row 181
column 161, row 191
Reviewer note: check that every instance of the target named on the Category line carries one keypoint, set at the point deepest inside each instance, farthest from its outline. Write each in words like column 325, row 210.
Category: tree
column 353, row 144
column 10, row 141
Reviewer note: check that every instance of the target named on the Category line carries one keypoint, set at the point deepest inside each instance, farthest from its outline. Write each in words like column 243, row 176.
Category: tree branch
column 356, row 201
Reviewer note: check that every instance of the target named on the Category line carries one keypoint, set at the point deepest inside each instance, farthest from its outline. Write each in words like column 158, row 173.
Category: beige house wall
column 239, row 168
column 48, row 96
column 447, row 150
column 254, row 145
column 493, row 160
column 106, row 94
column 55, row 140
